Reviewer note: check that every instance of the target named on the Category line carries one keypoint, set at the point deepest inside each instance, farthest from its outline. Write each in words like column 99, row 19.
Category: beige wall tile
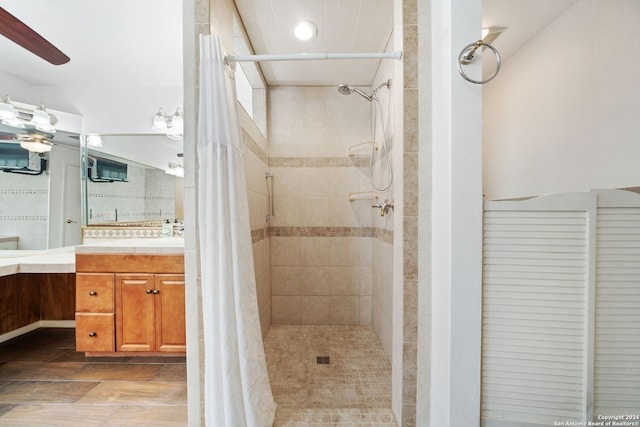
column 315, row 181
column 285, row 251
column 285, row 280
column 286, row 181
column 315, row 310
column 351, row 281
column 351, row 251
column 265, row 317
column 287, row 211
column 285, row 310
column 316, row 250
column 315, row 280
column 345, row 310
column 365, row 310
column 316, row 211
column 410, row 248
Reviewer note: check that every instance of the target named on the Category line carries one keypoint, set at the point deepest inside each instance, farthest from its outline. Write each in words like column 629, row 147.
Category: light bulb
column 41, row 120
column 160, row 121
column 7, row 110
column 305, row 30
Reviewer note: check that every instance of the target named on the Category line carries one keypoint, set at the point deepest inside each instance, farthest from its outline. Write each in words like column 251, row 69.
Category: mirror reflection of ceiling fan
column 23, row 35
column 34, row 142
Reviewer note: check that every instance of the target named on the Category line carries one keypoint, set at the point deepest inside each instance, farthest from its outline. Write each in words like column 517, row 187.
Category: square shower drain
column 322, row 360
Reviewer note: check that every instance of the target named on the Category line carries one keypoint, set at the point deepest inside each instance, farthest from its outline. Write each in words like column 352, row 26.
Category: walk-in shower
column 376, row 110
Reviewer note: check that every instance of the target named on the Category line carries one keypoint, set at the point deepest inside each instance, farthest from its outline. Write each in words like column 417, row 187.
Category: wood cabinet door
column 135, row 326
column 94, row 332
column 94, row 292
column 170, row 313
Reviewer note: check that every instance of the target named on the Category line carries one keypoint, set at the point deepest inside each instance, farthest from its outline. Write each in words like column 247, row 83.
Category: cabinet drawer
column 94, row 292
column 95, row 332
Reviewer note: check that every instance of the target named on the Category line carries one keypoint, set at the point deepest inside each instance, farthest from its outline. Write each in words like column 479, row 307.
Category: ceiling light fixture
column 305, row 30
column 172, row 126
column 7, row 110
column 41, row 120
column 20, row 116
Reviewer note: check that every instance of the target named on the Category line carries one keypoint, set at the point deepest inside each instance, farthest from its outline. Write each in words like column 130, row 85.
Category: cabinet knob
column 93, row 334
column 156, row 291
column 149, row 291
column 93, row 293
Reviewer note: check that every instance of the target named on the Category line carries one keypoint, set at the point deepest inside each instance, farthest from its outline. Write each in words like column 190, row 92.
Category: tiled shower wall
column 382, row 257
column 320, row 240
column 256, row 164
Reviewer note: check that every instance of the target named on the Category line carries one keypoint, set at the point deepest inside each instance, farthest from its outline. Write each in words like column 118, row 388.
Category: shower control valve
column 384, row 207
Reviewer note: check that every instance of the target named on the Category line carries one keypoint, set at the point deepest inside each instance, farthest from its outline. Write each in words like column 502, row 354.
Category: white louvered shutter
column 535, row 310
column 617, row 341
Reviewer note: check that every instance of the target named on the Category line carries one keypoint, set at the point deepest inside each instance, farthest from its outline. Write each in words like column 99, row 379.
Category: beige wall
column 255, row 148
column 382, row 257
column 320, row 241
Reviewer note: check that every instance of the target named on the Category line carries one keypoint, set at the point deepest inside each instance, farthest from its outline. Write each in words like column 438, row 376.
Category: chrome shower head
column 345, row 89
column 348, row 90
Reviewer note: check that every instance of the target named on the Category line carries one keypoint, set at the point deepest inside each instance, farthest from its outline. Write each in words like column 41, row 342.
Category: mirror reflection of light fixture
column 175, row 169
column 172, row 126
column 94, row 140
column 34, row 143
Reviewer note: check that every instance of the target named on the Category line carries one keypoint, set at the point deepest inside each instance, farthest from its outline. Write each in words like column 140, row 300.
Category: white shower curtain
column 237, row 390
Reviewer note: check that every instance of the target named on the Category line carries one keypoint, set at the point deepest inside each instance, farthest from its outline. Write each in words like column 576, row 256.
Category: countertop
column 63, row 260
column 60, row 260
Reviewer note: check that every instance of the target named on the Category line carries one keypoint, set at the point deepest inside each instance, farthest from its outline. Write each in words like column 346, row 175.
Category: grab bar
column 269, row 177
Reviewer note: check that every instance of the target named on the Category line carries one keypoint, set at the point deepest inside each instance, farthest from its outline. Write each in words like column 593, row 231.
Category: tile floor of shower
column 44, row 381
column 353, row 390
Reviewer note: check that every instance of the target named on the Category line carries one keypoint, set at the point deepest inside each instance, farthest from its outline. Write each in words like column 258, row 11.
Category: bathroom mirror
column 39, row 194
column 131, row 180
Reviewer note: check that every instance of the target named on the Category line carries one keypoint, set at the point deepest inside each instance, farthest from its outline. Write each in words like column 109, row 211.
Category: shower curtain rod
column 312, row 56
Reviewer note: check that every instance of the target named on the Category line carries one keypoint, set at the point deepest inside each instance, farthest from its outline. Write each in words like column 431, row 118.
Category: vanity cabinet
column 95, row 311
column 150, row 312
column 128, row 304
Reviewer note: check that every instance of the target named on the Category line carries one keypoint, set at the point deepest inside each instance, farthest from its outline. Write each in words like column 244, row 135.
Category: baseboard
column 20, row 331
column 36, row 325
column 57, row 323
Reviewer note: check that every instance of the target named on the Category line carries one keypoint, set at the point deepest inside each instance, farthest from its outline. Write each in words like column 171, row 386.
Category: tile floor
column 353, row 390
column 45, row 382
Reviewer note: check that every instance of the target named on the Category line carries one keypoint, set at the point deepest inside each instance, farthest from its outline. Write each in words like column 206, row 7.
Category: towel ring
column 466, row 55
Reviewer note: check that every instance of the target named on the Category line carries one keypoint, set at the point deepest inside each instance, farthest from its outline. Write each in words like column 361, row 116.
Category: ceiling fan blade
column 20, row 33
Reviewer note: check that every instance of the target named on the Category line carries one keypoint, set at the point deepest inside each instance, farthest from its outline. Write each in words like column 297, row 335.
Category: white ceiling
column 344, row 26
column 524, row 19
column 139, row 43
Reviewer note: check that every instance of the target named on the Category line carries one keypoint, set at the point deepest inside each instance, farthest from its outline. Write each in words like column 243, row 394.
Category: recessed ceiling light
column 305, row 30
